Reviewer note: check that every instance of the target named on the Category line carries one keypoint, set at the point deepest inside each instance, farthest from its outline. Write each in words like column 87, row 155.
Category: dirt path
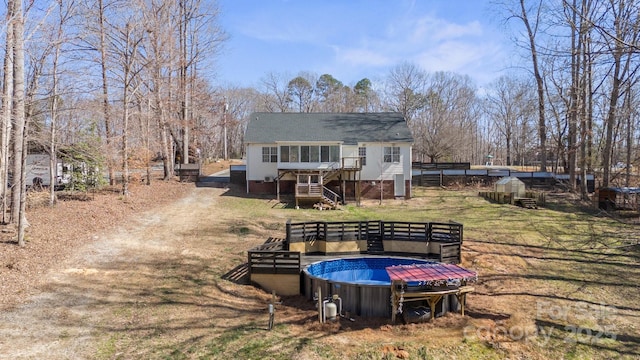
column 153, row 279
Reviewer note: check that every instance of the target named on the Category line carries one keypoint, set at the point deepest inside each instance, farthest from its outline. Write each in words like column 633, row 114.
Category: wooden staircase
column 330, row 198
column 330, row 175
column 375, row 245
column 527, row 203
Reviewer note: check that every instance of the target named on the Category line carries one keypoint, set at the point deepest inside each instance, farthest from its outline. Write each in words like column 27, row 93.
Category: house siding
column 375, row 177
column 256, row 169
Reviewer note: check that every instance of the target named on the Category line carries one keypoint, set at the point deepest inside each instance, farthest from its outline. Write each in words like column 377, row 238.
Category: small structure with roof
column 511, row 190
column 619, row 198
column 511, row 185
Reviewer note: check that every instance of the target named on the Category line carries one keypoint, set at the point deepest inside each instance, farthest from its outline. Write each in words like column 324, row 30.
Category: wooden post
column 462, row 296
column 394, row 302
column 288, row 233
column 277, row 180
column 320, row 304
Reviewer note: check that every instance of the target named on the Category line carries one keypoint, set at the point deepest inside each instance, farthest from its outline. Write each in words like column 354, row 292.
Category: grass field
column 556, row 282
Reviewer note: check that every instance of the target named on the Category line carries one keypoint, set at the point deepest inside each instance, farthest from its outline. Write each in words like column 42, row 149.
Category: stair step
column 528, row 203
column 375, row 246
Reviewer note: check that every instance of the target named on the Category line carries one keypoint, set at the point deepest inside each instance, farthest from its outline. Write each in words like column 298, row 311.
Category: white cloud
column 269, row 32
column 362, row 57
column 432, row 43
column 433, row 29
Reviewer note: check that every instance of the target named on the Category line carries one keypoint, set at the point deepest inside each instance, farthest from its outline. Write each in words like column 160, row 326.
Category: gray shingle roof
column 350, row 128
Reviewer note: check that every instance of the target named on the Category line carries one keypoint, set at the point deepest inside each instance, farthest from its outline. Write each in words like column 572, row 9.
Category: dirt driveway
column 154, row 279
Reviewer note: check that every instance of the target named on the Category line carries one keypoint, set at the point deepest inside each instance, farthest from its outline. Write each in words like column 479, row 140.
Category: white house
column 329, row 157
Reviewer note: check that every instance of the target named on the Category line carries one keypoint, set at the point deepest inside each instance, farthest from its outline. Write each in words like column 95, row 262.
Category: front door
column 398, row 185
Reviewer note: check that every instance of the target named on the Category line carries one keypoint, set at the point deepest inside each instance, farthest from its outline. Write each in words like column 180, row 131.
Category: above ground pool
column 362, row 283
column 361, row 271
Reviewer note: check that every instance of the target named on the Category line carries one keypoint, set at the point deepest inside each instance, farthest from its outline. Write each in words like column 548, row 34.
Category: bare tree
column 275, row 94
column 159, row 55
column 532, row 25
column 542, row 127
column 625, row 27
column 405, row 90
column 446, row 124
column 65, row 10
column 7, row 94
column 106, row 109
column 509, row 107
column 19, row 190
column 125, row 44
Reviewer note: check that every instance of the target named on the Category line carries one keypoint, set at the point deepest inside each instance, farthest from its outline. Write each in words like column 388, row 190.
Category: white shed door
column 398, row 185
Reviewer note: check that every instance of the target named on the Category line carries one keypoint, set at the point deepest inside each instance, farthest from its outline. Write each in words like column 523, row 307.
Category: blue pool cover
column 365, row 271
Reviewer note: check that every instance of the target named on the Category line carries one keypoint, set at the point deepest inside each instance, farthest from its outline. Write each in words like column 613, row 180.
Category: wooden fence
column 397, row 235
column 364, row 230
column 274, row 262
column 330, row 231
column 405, row 231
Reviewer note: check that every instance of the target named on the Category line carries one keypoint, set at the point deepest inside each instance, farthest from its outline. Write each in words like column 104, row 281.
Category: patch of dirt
column 91, row 252
column 55, row 233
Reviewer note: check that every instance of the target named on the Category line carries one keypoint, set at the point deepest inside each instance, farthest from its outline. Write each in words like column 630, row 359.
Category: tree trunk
column 53, row 163
column 105, row 94
column 19, row 193
column 183, row 82
column 5, row 127
column 542, row 127
column 610, row 121
column 576, row 49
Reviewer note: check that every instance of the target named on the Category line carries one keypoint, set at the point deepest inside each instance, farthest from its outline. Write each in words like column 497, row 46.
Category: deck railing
column 274, row 256
column 330, row 195
column 352, row 163
column 274, row 262
column 363, row 230
column 309, row 190
column 406, row 231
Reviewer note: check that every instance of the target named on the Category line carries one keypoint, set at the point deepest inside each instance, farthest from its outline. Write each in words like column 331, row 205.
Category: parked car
column 621, row 166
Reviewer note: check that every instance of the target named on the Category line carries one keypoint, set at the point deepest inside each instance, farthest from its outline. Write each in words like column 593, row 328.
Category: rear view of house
column 329, row 157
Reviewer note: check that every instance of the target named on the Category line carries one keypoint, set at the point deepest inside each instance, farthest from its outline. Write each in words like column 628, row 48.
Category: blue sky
column 354, row 39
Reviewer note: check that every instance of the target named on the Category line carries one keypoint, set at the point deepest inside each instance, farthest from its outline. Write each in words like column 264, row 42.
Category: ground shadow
column 238, row 275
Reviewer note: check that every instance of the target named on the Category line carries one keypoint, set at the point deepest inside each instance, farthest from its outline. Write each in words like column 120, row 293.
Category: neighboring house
column 329, row 156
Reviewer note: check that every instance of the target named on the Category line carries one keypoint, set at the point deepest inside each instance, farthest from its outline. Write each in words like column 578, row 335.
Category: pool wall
column 361, row 299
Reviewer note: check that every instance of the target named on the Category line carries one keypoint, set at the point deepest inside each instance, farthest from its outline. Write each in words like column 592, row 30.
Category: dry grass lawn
column 147, row 278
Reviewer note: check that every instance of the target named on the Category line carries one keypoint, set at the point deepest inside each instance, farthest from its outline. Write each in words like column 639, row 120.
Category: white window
column 305, row 153
column 362, row 153
column 309, row 153
column 392, row 154
column 269, row 154
column 284, row 154
column 314, row 154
